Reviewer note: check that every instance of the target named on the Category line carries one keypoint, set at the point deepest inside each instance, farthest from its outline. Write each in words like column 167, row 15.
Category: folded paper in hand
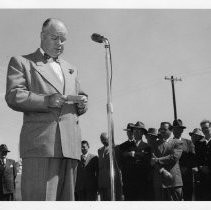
column 71, row 99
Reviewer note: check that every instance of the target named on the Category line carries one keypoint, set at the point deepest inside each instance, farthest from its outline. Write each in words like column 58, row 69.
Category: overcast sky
column 146, row 46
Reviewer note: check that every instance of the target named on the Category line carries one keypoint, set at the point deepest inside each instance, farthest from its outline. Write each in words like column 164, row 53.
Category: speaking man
column 46, row 89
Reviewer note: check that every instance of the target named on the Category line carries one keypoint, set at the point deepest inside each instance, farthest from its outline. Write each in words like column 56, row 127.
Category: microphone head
column 97, row 38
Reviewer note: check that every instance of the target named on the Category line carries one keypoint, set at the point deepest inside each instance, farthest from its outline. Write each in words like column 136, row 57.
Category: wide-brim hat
column 197, row 131
column 178, row 124
column 152, row 132
column 3, row 147
column 130, row 127
column 162, row 124
column 140, row 125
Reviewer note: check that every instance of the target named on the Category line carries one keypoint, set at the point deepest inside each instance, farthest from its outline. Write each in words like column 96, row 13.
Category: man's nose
column 59, row 42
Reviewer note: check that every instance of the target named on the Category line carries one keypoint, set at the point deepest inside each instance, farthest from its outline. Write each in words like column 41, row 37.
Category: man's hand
column 153, row 159
column 82, row 101
column 129, row 154
column 56, row 100
column 195, row 170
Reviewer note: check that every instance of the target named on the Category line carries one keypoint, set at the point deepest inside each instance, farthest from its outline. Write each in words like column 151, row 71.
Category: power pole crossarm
column 172, row 79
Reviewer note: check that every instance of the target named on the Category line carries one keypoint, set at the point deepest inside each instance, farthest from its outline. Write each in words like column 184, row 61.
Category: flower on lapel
column 71, row 71
column 11, row 166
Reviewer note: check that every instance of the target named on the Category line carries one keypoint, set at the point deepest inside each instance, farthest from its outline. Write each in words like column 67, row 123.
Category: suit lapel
column 162, row 147
column 88, row 159
column 167, row 145
column 46, row 71
column 105, row 151
column 2, row 165
column 71, row 86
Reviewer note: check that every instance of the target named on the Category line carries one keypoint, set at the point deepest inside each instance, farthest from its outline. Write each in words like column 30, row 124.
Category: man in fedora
column 196, row 135
column 136, row 157
column 167, row 176
column 152, row 137
column 129, row 130
column 123, row 156
column 203, row 149
column 8, row 174
column 197, row 138
column 187, row 160
column 143, row 163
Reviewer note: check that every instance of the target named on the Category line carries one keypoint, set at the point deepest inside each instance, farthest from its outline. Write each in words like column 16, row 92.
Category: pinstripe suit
column 168, row 154
column 8, row 174
column 46, row 132
column 104, row 179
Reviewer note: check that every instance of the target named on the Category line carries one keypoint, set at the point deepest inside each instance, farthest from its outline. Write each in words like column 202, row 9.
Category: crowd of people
column 167, row 167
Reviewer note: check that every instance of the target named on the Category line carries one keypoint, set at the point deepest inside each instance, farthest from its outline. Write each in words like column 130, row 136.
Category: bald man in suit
column 46, row 89
column 104, row 180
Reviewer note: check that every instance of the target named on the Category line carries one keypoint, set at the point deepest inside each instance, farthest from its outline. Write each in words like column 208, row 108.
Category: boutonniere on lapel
column 11, row 166
column 71, row 71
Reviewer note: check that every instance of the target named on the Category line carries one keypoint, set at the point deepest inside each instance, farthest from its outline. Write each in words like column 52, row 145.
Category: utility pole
column 173, row 93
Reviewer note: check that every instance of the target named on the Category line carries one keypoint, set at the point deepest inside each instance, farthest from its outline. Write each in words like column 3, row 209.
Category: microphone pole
column 101, row 39
column 109, row 116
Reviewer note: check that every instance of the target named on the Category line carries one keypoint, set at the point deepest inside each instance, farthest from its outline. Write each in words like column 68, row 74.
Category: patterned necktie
column 2, row 162
column 47, row 57
column 83, row 160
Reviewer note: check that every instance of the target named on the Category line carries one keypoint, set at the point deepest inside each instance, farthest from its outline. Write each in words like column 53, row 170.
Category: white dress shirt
column 55, row 66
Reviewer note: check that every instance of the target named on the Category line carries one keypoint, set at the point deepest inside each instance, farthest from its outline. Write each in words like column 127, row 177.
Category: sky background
column 146, row 46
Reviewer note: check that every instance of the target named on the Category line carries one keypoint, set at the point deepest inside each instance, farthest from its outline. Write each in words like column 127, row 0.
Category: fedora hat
column 152, row 131
column 3, row 147
column 178, row 124
column 140, row 125
column 196, row 131
column 130, row 127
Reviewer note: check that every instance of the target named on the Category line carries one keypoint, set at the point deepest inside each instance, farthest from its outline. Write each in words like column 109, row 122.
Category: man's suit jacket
column 209, row 156
column 201, row 152
column 134, row 169
column 104, row 169
column 168, row 155
column 203, row 157
column 203, row 177
column 187, row 160
column 87, row 174
column 44, row 130
column 8, row 174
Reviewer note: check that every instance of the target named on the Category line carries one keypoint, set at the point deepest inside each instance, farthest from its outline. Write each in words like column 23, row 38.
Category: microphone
column 97, row 38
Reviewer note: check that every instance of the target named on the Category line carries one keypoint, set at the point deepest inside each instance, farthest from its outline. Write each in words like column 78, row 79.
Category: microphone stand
column 109, row 115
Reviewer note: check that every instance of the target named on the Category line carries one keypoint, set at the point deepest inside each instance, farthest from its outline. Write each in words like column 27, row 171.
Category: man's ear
column 42, row 35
